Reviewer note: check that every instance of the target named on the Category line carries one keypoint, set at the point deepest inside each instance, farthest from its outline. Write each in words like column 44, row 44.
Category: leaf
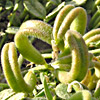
column 14, row 19
column 80, row 2
column 46, row 89
column 18, row 96
column 8, row 5
column 55, row 2
column 6, row 94
column 61, row 91
column 89, row 6
column 3, row 86
column 41, row 93
column 35, row 8
column 12, row 30
column 9, row 94
column 54, row 12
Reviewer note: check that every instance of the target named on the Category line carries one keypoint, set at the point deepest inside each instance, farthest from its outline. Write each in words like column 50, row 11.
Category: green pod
column 9, row 75
column 69, row 17
column 96, row 52
column 41, row 29
column 80, row 58
column 37, row 29
column 93, row 39
column 92, row 36
column 13, row 73
column 81, row 95
column 91, row 33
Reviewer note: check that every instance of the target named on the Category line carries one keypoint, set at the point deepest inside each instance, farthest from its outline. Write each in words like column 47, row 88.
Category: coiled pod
column 80, row 58
column 37, row 29
column 69, row 17
column 12, row 72
column 92, row 36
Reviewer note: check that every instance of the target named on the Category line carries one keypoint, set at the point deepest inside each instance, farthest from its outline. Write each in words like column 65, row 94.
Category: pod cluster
column 74, row 53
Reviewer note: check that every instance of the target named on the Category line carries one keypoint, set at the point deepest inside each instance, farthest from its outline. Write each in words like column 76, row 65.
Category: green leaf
column 18, row 96
column 9, row 5
column 14, row 19
column 35, row 8
column 55, row 2
column 61, row 91
column 80, row 2
column 9, row 94
column 46, row 89
column 3, row 86
column 89, row 6
column 5, row 94
column 12, row 30
column 54, row 12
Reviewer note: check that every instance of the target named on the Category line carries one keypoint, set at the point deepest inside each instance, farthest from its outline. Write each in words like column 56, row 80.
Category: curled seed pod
column 69, row 17
column 40, row 29
column 80, row 58
column 12, row 71
column 81, row 95
column 92, row 36
column 37, row 29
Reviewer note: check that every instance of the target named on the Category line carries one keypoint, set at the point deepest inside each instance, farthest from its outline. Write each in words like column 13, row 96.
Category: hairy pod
column 12, row 72
column 69, row 17
column 96, row 52
column 80, row 58
column 92, row 36
column 37, row 29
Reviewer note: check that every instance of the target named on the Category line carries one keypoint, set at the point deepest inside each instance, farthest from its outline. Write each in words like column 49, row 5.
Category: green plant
column 73, row 58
